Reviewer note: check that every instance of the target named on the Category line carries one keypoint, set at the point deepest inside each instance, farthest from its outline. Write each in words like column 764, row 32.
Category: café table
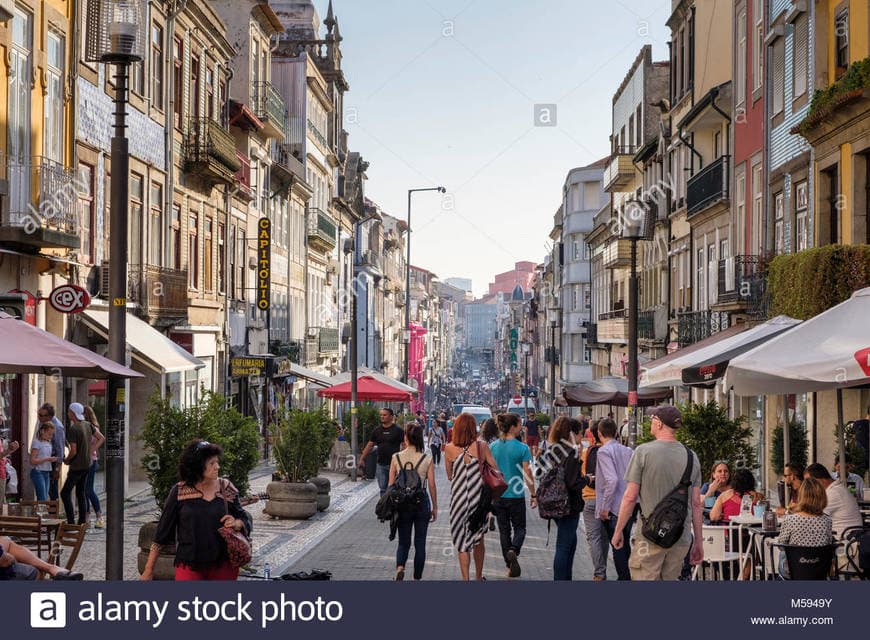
column 753, row 525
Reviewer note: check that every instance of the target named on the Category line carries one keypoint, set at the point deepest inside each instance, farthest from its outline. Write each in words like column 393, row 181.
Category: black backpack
column 665, row 524
column 408, row 491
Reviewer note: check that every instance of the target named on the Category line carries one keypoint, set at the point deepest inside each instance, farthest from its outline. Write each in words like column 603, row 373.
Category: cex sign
column 69, row 298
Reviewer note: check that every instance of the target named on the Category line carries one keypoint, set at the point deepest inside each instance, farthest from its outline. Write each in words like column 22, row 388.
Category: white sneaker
column 99, row 524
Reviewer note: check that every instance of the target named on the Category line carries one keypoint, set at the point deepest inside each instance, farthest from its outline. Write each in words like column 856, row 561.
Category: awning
column 610, row 390
column 312, row 376
column 377, row 375
column 368, row 389
column 150, row 347
column 709, row 370
column 667, row 371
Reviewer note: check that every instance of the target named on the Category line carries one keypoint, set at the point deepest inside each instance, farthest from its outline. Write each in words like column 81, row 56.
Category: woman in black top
column 562, row 453
column 197, row 507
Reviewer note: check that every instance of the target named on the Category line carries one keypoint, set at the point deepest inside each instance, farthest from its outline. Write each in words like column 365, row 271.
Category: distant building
column 523, row 274
column 460, row 283
column 480, row 324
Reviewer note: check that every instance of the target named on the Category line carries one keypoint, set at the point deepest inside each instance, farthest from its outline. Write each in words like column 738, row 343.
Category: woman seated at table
column 728, row 503
column 807, row 525
column 720, row 480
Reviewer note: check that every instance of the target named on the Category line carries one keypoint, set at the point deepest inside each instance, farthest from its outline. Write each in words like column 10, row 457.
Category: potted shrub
column 368, row 419
column 165, row 432
column 328, row 431
column 297, row 450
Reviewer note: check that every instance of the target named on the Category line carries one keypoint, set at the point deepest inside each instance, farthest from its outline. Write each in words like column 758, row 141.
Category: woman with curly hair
column 197, row 507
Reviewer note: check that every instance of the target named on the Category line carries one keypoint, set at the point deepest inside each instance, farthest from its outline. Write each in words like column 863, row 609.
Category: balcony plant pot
column 164, row 568
column 323, row 485
column 291, row 500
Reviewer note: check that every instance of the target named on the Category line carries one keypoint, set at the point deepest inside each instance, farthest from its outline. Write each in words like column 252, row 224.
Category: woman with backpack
column 410, row 466
column 462, row 458
column 560, row 494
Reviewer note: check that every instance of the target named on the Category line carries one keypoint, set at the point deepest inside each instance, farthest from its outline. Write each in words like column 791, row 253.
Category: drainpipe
column 228, row 198
column 691, row 148
column 715, row 94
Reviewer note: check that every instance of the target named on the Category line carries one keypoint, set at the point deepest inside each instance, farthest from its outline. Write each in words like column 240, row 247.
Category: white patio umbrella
column 828, row 351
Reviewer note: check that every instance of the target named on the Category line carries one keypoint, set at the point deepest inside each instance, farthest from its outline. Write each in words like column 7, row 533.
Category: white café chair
column 715, row 544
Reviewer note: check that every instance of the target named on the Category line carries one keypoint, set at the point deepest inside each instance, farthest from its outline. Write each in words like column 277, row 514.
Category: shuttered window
column 800, row 68
column 778, row 85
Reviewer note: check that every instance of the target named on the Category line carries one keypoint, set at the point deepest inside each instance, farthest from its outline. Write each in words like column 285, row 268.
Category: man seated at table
column 793, row 476
column 853, row 480
column 20, row 563
column 842, row 506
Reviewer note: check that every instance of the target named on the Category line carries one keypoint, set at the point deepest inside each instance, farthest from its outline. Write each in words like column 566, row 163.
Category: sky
column 443, row 92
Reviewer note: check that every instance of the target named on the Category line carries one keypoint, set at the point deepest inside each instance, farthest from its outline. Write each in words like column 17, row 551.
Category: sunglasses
column 203, row 443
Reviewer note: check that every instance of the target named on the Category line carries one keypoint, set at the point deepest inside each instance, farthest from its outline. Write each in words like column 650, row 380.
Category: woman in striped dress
column 461, row 461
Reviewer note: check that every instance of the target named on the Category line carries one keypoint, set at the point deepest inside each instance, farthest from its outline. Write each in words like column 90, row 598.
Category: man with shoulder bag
column 666, row 476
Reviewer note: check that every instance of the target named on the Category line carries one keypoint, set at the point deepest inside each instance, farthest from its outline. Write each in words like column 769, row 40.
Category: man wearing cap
column 78, row 439
column 655, row 469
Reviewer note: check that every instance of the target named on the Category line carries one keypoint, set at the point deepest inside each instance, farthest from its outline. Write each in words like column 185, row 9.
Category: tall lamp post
column 554, row 323
column 116, row 36
column 408, row 275
column 632, row 230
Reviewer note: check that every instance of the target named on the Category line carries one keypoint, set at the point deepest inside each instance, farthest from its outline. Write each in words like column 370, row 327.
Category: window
column 175, row 238
column 591, row 191
column 87, row 212
column 222, row 101
column 134, row 228
column 758, row 45
column 832, row 183
column 255, row 64
column 630, row 141
column 157, row 66
column 638, row 127
column 209, row 93
column 757, row 210
column 778, row 84
column 800, row 216
column 841, row 40
column 575, row 298
column 207, row 255
column 221, row 256
column 195, row 110
column 576, row 249
column 240, row 265
column 800, row 66
column 740, row 80
column 587, row 298
column 778, row 228
column 700, row 280
column 54, row 98
column 137, row 78
column 178, row 78
column 740, row 198
column 193, row 250
column 155, row 225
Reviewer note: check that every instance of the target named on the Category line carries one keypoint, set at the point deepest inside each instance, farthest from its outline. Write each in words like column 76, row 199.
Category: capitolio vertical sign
column 264, row 262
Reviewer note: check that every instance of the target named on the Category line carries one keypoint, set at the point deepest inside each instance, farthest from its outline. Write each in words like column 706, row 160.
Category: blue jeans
column 620, row 556
column 599, row 544
column 40, row 480
column 382, row 474
column 566, row 546
column 419, row 521
column 93, row 500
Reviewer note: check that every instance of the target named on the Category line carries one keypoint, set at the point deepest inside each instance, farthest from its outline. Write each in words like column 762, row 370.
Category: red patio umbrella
column 368, row 388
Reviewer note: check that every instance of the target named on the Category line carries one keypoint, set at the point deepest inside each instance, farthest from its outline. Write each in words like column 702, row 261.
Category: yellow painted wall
column 859, row 35
column 713, row 44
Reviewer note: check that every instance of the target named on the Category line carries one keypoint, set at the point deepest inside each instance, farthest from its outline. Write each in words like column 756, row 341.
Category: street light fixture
column 116, row 35
column 408, row 274
column 632, row 229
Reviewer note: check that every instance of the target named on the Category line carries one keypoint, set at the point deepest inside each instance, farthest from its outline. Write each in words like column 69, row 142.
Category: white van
column 521, row 407
column 480, row 413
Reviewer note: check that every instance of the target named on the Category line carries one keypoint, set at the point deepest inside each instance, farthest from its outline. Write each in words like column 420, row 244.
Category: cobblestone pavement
column 360, row 550
column 280, row 542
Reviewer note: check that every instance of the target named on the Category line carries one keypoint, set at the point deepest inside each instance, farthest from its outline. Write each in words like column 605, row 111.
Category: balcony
column 243, row 177
column 39, row 204
column 613, row 327
column 370, row 260
column 269, row 107
column 161, row 293
column 740, row 280
column 321, row 230
column 646, row 325
column 620, row 171
column 285, row 168
column 328, row 341
column 693, row 326
column 317, row 134
column 617, row 254
column 210, row 152
column 708, row 187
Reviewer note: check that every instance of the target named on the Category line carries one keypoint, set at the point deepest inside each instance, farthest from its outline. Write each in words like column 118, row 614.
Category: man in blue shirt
column 513, row 458
column 610, row 486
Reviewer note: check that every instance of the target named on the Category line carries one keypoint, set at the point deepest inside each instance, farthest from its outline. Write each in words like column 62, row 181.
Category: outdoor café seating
column 809, row 563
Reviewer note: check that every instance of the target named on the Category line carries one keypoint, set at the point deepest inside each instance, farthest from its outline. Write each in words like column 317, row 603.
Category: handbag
column 492, row 477
column 238, row 544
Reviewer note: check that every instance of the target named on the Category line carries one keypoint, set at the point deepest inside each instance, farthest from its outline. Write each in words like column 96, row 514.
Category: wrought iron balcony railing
column 708, row 186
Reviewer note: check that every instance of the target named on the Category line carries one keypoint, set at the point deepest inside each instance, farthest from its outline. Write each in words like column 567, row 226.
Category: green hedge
column 805, row 284
column 846, row 89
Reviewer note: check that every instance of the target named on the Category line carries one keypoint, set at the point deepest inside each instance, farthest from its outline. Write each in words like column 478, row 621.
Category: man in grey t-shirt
column 655, row 469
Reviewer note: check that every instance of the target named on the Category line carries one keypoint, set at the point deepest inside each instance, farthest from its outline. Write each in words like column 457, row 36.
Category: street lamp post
column 115, row 35
column 408, row 274
column 632, row 230
column 554, row 322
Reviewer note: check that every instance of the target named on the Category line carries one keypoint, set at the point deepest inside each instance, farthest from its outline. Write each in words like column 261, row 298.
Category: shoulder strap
column 687, row 474
column 420, row 461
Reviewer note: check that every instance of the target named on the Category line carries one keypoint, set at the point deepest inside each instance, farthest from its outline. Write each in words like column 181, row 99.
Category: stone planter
column 323, row 487
column 164, row 568
column 294, row 500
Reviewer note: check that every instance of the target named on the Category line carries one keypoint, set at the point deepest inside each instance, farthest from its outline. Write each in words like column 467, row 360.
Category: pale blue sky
column 442, row 92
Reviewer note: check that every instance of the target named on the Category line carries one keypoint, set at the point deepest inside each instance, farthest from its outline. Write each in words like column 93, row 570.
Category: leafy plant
column 299, row 442
column 805, row 284
column 168, row 429
column 798, row 447
column 826, row 101
column 712, row 435
column 368, row 419
column 543, row 419
column 855, row 455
